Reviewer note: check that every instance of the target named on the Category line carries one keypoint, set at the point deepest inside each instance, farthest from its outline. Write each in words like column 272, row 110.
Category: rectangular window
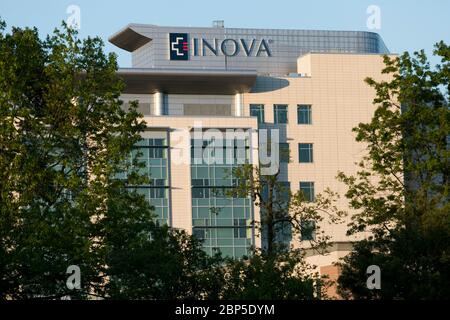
column 157, row 153
column 284, row 152
column 207, row 109
column 280, row 113
column 240, row 233
column 200, row 193
column 257, row 110
column 305, row 152
column 158, row 193
column 200, row 234
column 308, row 230
column 157, row 142
column 304, row 115
column 307, row 187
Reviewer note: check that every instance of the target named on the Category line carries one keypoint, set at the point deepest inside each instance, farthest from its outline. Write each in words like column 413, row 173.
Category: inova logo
column 178, row 46
column 179, row 49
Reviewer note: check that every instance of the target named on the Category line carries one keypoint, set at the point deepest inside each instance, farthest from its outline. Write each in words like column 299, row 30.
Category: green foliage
column 402, row 189
column 280, row 276
column 279, row 271
column 285, row 214
column 64, row 138
column 147, row 261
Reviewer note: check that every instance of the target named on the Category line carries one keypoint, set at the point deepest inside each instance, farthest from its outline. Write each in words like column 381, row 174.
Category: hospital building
column 307, row 84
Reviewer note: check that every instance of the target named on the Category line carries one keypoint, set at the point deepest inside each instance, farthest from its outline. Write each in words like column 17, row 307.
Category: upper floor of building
column 263, row 51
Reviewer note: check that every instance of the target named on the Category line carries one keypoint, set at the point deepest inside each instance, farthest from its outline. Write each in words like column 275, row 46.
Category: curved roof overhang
column 187, row 81
column 128, row 39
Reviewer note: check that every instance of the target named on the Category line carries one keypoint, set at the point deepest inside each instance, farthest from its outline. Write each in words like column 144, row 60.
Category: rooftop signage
column 179, row 48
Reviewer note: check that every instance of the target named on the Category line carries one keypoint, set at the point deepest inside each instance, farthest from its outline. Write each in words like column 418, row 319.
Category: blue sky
column 406, row 25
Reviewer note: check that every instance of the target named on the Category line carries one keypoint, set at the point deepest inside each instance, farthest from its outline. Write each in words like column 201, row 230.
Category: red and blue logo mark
column 178, row 46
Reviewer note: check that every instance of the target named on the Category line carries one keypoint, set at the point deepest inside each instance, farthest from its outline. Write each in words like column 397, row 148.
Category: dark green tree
column 279, row 276
column 64, row 138
column 146, row 261
column 401, row 192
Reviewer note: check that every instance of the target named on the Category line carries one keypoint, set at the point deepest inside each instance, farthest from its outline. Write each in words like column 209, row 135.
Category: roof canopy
column 128, row 39
column 187, row 81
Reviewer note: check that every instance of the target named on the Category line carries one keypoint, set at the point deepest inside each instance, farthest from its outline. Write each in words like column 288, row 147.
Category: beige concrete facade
column 340, row 99
column 333, row 84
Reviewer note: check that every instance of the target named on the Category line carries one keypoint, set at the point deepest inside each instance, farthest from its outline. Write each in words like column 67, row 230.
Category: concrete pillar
column 238, row 103
column 158, row 102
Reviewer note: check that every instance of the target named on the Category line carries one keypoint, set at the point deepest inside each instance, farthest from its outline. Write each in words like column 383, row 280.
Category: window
column 241, row 231
column 308, row 230
column 158, row 182
column 157, row 193
column 200, row 234
column 157, row 142
column 305, row 152
column 200, row 193
column 284, row 152
column 307, row 188
column 280, row 113
column 207, row 109
column 157, row 153
column 304, row 114
column 239, row 222
column 257, row 110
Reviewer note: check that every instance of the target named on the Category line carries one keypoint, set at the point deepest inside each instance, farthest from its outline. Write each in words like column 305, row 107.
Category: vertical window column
column 222, row 222
column 153, row 154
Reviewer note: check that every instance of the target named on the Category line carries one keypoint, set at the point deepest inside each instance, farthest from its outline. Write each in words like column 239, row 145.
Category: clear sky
column 406, row 25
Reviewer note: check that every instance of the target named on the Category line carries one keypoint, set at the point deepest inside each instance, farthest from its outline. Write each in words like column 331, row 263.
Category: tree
column 402, row 189
column 146, row 261
column 280, row 276
column 285, row 215
column 278, row 270
column 63, row 135
column 64, row 139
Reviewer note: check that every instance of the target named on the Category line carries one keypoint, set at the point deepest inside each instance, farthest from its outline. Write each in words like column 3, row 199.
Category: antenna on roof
column 218, row 24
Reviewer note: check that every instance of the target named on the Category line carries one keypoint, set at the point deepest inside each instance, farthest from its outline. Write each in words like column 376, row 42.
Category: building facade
column 195, row 84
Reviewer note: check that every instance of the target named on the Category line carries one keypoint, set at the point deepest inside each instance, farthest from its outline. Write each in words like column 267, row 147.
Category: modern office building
column 196, row 83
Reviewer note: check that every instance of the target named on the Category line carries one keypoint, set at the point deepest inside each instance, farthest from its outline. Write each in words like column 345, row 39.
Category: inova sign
column 179, row 47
